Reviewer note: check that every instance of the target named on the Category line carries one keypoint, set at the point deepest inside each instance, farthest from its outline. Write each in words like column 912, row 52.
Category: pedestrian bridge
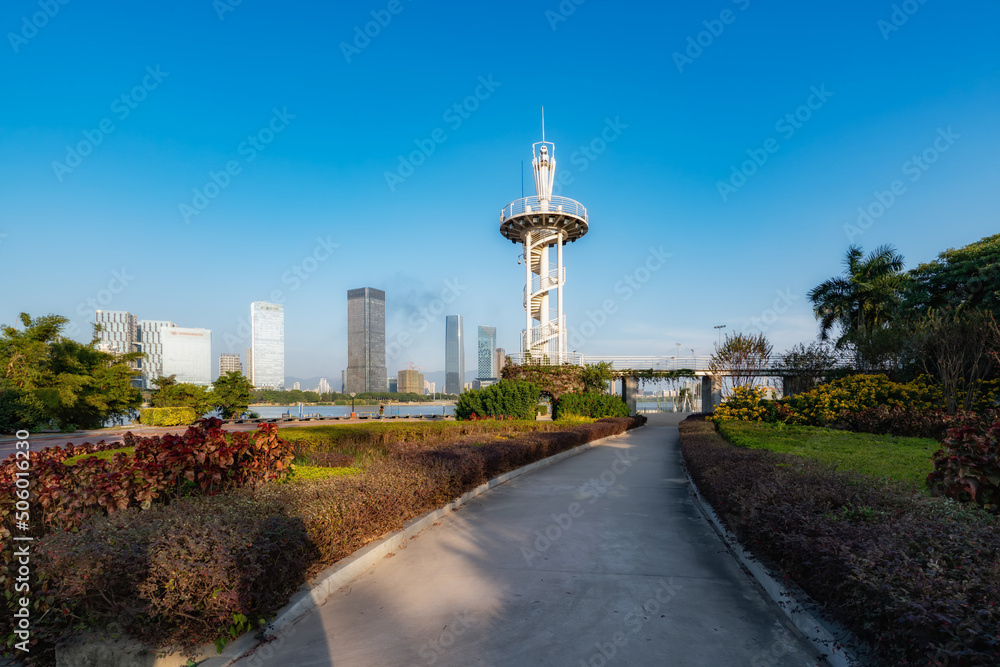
column 628, row 368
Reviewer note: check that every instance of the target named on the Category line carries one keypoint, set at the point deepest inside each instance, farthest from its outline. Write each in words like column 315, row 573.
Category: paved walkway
column 601, row 559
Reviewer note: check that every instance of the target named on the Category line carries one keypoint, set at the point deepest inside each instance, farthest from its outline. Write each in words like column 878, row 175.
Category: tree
column 231, row 394
column 959, row 348
column 597, row 376
column 862, row 305
column 46, row 378
column 968, row 277
column 741, row 357
column 808, row 365
column 170, row 393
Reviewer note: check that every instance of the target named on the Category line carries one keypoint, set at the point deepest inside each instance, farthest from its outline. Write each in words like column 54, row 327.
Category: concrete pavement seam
column 820, row 633
column 336, row 577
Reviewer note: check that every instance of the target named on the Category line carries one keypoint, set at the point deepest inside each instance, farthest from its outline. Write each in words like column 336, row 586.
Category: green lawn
column 108, row 454
column 904, row 459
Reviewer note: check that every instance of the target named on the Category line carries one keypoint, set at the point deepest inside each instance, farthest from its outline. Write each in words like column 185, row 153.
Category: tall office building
column 393, row 384
column 500, row 360
column 410, row 381
column 487, row 353
column 324, row 386
column 187, row 354
column 454, row 355
column 297, row 386
column 229, row 363
column 343, row 382
column 267, row 343
column 365, row 340
column 123, row 332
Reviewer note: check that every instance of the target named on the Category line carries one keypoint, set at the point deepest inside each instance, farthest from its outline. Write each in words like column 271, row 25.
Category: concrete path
column 601, row 559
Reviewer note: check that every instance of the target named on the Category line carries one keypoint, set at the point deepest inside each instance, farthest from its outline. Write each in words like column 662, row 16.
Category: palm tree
column 862, row 303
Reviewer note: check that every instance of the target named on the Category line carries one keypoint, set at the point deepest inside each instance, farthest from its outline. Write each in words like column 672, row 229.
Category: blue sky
column 651, row 107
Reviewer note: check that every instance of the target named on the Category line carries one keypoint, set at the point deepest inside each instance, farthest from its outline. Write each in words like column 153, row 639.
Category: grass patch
column 312, row 473
column 906, row 460
column 107, row 454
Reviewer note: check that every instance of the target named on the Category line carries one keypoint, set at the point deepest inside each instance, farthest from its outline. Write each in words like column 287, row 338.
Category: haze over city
column 245, row 152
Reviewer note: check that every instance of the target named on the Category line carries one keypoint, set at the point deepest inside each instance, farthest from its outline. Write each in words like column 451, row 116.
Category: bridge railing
column 777, row 364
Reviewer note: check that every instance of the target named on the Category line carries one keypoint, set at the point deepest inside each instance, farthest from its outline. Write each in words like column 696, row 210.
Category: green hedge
column 590, row 405
column 508, row 399
column 167, row 416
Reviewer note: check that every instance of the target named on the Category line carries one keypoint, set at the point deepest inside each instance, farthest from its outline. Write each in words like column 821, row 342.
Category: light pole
column 354, row 415
column 719, row 328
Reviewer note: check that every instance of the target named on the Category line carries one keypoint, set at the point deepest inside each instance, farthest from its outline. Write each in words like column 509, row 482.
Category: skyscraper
column 410, row 380
column 267, row 344
column 123, row 332
column 500, row 360
column 187, row 354
column 487, row 353
column 454, row 355
column 324, row 386
column 229, row 363
column 365, row 340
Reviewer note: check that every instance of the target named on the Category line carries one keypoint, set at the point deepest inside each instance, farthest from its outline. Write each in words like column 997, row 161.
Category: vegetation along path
column 598, row 559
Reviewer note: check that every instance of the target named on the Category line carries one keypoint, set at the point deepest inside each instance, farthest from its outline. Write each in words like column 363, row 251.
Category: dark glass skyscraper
column 454, row 355
column 365, row 340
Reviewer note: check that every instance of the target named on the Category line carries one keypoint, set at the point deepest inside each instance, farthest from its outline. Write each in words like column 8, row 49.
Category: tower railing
column 535, row 205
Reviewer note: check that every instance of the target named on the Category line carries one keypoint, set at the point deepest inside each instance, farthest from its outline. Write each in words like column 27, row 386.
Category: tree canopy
column 47, row 379
column 968, row 278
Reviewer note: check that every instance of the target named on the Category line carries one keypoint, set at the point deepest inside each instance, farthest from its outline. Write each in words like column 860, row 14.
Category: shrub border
column 323, row 586
column 839, row 645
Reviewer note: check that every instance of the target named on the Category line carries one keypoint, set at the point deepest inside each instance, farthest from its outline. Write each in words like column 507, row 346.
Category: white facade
column 267, row 344
column 324, row 386
column 151, row 342
column 187, row 354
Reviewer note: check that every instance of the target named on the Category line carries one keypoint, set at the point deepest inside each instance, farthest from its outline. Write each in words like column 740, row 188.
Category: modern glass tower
column 267, row 344
column 365, row 340
column 487, row 353
column 454, row 355
column 187, row 354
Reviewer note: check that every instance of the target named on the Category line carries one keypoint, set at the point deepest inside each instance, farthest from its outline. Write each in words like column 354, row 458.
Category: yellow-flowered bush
column 824, row 404
column 749, row 404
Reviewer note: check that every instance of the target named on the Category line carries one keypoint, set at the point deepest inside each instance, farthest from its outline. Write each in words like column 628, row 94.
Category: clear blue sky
column 887, row 95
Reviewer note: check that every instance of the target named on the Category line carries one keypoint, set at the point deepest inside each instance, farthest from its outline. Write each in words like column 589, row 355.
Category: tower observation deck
column 543, row 224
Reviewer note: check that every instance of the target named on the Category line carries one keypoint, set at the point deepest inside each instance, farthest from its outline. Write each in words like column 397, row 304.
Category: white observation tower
column 543, row 224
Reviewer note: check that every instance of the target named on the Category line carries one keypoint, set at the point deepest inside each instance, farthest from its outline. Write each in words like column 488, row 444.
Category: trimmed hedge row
column 917, row 578
column 175, row 575
column 167, row 416
column 507, row 399
column 590, row 404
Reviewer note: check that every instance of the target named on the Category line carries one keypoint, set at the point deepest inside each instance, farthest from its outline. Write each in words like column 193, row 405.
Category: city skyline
column 773, row 148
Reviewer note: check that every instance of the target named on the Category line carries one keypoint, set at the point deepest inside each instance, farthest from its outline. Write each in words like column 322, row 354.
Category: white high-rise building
column 229, row 363
column 324, row 386
column 123, row 332
column 187, row 354
column 297, row 386
column 267, row 345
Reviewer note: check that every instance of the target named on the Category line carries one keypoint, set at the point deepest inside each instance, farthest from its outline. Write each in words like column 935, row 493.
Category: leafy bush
column 967, row 467
column 590, row 404
column 915, row 577
column 180, row 573
column 825, row 404
column 747, row 403
column 159, row 468
column 507, row 399
column 167, row 416
column 904, row 421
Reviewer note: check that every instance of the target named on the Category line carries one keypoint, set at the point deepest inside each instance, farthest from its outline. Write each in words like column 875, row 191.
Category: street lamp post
column 354, row 415
column 719, row 328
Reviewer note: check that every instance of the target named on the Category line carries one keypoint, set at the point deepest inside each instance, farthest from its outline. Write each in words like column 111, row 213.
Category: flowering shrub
column 747, row 403
column 590, row 404
column 967, row 467
column 825, row 404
